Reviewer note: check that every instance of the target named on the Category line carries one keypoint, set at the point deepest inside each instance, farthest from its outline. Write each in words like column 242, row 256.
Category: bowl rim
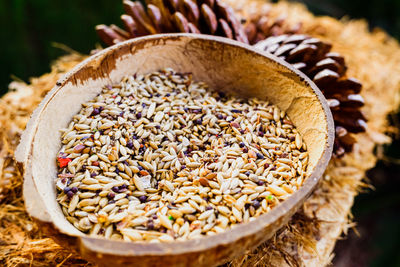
column 239, row 231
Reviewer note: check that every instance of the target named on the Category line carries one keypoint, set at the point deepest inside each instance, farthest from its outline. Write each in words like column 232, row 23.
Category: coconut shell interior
column 224, row 65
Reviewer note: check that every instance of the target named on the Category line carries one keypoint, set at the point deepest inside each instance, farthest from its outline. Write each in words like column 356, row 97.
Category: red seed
column 144, row 173
column 95, row 163
column 63, row 162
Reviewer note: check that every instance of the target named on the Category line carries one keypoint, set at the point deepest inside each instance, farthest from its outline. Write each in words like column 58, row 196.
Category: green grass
column 30, row 27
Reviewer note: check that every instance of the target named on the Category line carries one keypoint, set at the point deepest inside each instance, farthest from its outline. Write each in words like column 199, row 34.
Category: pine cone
column 167, row 16
column 260, row 25
column 328, row 70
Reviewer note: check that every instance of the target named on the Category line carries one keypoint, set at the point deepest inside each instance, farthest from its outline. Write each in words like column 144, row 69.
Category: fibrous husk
column 308, row 239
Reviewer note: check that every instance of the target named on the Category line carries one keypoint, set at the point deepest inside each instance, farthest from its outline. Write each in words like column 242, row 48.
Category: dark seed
column 245, row 150
column 241, row 144
column 66, row 189
column 111, row 195
column 150, row 225
column 74, row 189
column 129, row 145
column 115, row 189
column 142, row 199
column 95, row 112
column 70, row 194
column 256, row 204
column 260, row 156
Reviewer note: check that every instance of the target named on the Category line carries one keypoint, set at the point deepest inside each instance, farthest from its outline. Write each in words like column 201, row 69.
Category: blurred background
column 32, row 31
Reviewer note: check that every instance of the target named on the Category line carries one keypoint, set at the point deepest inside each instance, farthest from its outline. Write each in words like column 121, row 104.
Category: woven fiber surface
column 309, row 238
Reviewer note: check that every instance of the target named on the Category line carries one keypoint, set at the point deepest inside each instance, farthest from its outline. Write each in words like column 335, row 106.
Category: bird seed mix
column 160, row 157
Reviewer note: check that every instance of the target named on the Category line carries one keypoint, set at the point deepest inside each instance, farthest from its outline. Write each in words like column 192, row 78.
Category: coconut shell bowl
column 226, row 66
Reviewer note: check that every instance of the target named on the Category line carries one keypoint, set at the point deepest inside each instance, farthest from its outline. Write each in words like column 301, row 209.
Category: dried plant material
column 309, row 237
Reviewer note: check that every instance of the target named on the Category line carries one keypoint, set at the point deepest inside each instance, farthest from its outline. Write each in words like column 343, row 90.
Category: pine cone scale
column 192, row 11
column 156, row 17
column 225, row 29
column 210, row 18
column 181, row 22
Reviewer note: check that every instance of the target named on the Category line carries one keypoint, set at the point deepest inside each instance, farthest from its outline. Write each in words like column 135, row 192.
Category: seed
column 175, row 213
column 298, row 141
column 151, row 109
column 206, row 214
column 193, row 164
column 143, row 199
column 78, row 148
column 159, row 158
column 106, row 125
column 203, row 181
column 241, row 202
column 164, row 221
column 276, row 190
